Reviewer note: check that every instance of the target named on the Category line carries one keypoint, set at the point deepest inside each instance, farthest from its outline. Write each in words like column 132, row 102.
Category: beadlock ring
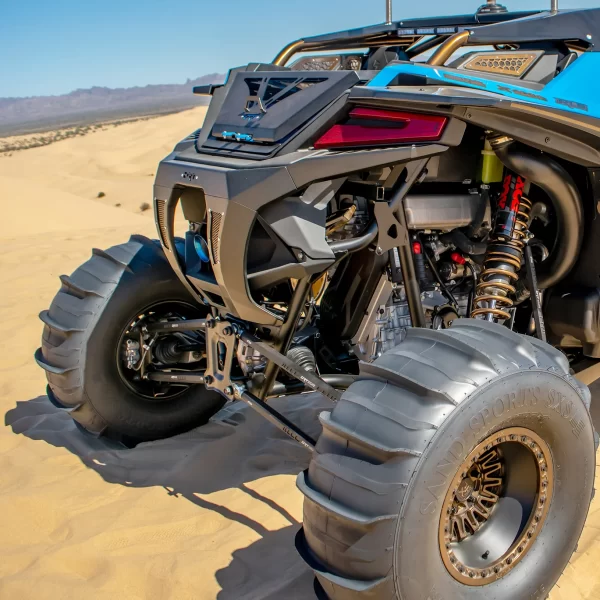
column 471, row 504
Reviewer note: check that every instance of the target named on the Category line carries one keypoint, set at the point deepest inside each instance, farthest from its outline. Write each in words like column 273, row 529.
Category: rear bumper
column 234, row 192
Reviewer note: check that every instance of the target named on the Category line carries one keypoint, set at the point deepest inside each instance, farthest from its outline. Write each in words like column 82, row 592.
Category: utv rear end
column 410, row 230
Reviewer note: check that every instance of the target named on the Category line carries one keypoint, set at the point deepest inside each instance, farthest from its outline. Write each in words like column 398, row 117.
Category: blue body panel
column 575, row 90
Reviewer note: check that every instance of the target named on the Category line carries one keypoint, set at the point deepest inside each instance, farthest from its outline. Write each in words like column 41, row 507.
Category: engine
column 388, row 318
column 444, row 266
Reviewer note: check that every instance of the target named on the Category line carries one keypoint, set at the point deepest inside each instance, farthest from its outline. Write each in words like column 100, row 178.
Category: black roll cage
column 417, row 35
column 413, row 35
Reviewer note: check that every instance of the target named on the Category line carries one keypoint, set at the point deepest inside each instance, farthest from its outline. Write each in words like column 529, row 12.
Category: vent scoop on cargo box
column 261, row 110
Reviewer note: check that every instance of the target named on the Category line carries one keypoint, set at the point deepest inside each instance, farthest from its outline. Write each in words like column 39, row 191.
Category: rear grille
column 215, row 234
column 162, row 221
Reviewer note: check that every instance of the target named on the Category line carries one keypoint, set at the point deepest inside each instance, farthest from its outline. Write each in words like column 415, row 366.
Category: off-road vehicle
column 404, row 218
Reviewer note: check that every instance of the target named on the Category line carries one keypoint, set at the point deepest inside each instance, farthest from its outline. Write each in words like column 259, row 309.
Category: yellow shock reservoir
column 492, row 168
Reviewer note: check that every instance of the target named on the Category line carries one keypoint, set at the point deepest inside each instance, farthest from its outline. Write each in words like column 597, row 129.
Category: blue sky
column 56, row 46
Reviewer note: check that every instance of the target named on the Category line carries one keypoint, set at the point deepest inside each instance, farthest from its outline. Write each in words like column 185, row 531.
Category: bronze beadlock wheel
column 459, row 465
column 496, row 506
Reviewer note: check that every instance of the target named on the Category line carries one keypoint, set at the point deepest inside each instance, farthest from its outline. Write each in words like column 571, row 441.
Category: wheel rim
column 496, row 506
column 143, row 388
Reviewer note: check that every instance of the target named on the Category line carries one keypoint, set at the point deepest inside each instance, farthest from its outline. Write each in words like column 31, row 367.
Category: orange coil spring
column 500, row 269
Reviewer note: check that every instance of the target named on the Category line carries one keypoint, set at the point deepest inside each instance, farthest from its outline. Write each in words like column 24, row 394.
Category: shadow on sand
column 236, row 447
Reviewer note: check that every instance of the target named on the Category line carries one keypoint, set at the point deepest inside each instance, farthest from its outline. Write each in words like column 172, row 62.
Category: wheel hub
column 496, row 506
column 465, row 489
column 139, row 351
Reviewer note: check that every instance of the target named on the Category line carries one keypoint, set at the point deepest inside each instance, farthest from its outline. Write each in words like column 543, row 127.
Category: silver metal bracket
column 391, row 233
column 220, row 352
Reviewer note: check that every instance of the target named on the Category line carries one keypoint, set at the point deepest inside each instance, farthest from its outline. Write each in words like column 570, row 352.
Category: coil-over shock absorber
column 502, row 262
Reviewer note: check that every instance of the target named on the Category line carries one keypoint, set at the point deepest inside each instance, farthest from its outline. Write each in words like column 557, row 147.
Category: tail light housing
column 378, row 127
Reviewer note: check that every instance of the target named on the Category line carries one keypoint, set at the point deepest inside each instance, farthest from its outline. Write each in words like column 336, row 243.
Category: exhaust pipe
column 551, row 177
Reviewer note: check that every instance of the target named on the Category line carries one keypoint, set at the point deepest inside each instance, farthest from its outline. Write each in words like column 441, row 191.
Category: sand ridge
column 209, row 514
column 119, row 161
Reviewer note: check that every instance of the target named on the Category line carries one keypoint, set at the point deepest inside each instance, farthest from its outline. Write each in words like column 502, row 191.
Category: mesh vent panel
column 215, row 234
column 162, row 221
column 514, row 64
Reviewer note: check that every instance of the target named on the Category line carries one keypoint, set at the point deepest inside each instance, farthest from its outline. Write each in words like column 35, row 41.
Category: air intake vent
column 514, row 64
column 216, row 219
column 162, row 221
column 268, row 91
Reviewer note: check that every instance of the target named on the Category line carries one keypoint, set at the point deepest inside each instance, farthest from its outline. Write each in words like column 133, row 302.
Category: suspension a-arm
column 221, row 339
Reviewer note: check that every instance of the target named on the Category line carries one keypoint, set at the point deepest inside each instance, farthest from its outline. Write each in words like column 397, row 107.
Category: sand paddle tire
column 92, row 351
column 459, row 465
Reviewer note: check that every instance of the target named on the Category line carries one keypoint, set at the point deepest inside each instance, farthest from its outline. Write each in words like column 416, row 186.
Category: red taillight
column 382, row 127
column 416, row 248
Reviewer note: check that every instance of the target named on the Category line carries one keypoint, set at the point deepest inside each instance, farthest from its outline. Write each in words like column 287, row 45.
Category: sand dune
column 209, row 514
column 119, row 161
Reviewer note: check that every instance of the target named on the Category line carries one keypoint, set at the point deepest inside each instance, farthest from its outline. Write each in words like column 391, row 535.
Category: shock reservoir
column 492, row 168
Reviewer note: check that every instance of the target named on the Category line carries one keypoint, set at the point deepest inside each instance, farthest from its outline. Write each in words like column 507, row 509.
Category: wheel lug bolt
column 496, row 569
column 520, row 548
column 471, row 574
column 508, row 561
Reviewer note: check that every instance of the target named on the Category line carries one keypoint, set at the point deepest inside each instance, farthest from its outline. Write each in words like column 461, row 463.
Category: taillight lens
column 377, row 127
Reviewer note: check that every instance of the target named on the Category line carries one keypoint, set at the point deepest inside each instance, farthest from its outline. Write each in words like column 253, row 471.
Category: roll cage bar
column 575, row 27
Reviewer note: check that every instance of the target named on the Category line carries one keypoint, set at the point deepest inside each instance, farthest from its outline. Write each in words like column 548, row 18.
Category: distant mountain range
column 41, row 113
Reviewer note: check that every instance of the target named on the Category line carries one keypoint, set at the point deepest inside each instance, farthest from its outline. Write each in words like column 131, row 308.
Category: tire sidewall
column 149, row 280
column 549, row 405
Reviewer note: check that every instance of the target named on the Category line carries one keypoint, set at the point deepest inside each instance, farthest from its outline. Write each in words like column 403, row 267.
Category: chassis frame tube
column 413, row 290
column 285, row 334
column 167, row 326
column 311, row 380
column 261, row 407
column 336, row 380
column 190, row 377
